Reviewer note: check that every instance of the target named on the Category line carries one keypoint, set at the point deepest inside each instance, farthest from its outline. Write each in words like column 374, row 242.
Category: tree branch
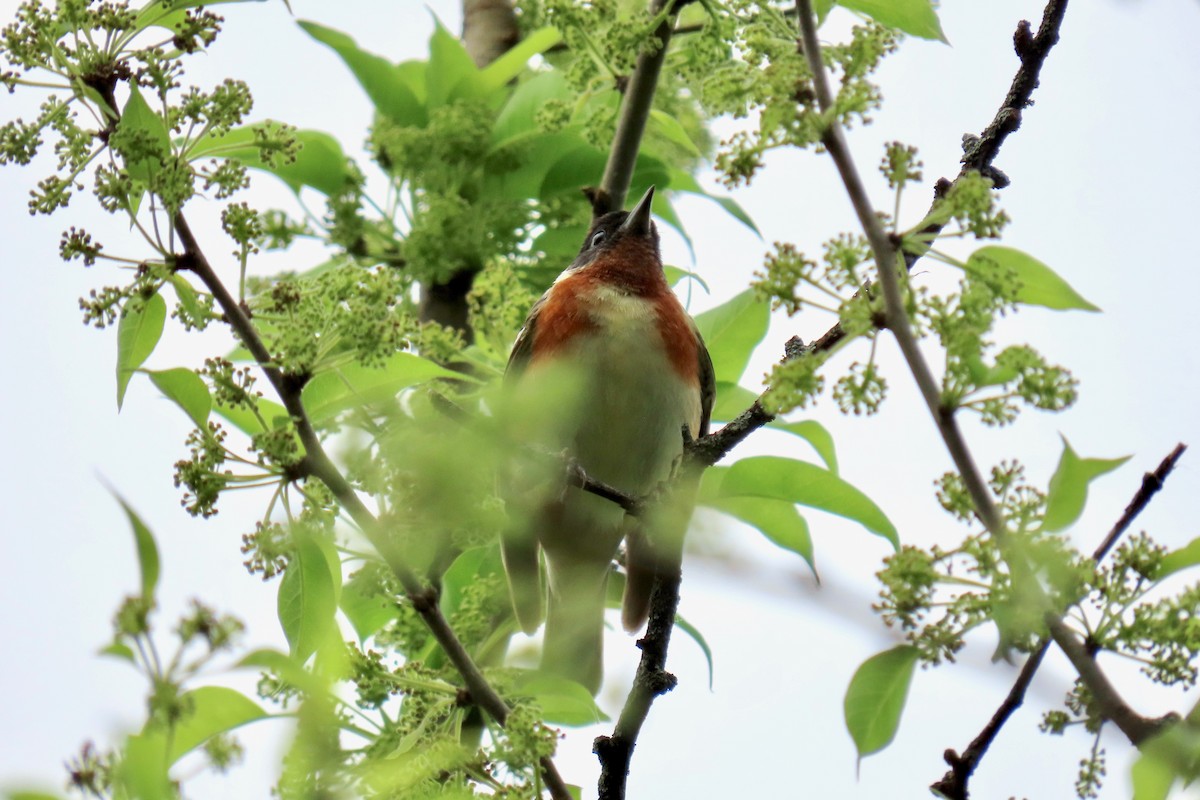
column 316, row 463
column 954, row 784
column 650, row 681
column 635, row 110
column 1112, row 706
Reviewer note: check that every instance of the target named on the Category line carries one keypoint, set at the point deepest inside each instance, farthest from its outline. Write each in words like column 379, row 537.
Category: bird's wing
column 523, row 347
column 708, row 383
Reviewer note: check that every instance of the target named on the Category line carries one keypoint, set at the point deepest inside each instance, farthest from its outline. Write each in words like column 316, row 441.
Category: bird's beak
column 638, row 221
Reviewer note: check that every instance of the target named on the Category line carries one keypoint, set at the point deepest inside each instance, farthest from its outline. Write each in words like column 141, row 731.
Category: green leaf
column 287, row 668
column 355, row 385
column 815, row 434
column 697, row 637
column 509, row 65
column 452, row 74
column 320, row 163
column 167, row 15
column 563, row 701
column 517, row 119
column 366, row 610
column 806, row 484
column 187, row 390
column 147, row 549
column 137, row 116
column 385, row 84
column 778, row 520
column 244, row 420
column 914, row 17
column 1040, row 285
column 669, row 128
column 469, row 568
column 681, row 181
column 732, row 331
column 137, row 335
column 30, row 794
column 306, row 598
column 875, row 698
column 141, row 773
column 118, row 650
column 822, row 9
column 1068, row 487
column 677, row 274
column 216, row 709
column 1181, row 559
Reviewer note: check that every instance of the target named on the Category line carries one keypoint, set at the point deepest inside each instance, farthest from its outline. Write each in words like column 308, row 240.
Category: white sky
column 1103, row 191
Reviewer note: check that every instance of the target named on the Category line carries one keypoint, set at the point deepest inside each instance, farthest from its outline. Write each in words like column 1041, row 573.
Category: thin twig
column 316, row 463
column 1113, row 707
column 954, row 785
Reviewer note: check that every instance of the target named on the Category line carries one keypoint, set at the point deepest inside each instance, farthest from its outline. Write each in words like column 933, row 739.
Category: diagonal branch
column 635, row 110
column 954, row 784
column 1112, row 705
column 316, row 463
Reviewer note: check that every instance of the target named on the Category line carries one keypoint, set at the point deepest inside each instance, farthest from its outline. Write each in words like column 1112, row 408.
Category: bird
column 616, row 371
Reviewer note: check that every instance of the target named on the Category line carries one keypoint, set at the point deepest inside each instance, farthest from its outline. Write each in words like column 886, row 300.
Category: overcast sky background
column 1103, row 190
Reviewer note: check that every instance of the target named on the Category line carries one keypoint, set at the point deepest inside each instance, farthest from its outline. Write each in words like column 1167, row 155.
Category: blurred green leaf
column 1067, row 493
column 509, row 65
column 471, row 566
column 287, row 668
column 517, row 119
column 147, row 549
column 682, row 181
column 354, row 384
column 141, row 773
column 669, row 128
column 306, row 598
column 157, row 13
column 320, row 163
column 30, row 794
column 385, row 84
column 806, row 484
column 137, row 335
column 118, row 650
column 914, row 17
column 875, row 698
column 563, row 702
column 138, row 117
column 187, row 390
column 452, row 74
column 1040, row 285
column 216, row 709
column 732, row 331
column 1181, row 559
column 244, row 420
column 366, row 610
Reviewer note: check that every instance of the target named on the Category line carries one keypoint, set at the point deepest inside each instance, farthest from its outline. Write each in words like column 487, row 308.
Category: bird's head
column 622, row 241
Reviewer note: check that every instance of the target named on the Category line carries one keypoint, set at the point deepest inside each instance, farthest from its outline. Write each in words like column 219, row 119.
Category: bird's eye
column 597, row 238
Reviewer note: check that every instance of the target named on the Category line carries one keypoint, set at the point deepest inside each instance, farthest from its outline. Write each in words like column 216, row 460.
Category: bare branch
column 954, row 784
column 885, row 255
column 651, row 680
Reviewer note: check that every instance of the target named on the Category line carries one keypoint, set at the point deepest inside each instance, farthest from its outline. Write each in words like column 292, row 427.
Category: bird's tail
column 574, row 641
